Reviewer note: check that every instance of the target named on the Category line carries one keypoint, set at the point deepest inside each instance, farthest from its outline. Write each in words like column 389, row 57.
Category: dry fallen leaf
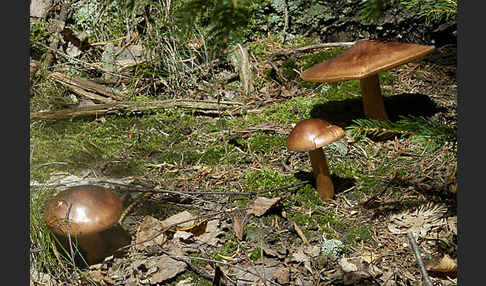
column 96, row 275
column 446, row 265
column 147, row 229
column 347, row 266
column 185, row 221
column 40, row 8
column 180, row 220
column 302, row 256
column 185, row 282
column 355, row 270
column 282, row 275
column 211, row 236
column 261, row 205
column 238, row 227
column 196, row 229
column 182, row 235
column 167, row 268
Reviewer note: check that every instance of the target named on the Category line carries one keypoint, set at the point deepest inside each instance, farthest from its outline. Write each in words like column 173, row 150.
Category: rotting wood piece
column 86, row 84
column 116, row 108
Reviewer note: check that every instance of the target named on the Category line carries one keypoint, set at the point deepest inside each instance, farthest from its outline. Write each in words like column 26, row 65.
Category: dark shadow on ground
column 343, row 112
column 437, row 193
column 340, row 184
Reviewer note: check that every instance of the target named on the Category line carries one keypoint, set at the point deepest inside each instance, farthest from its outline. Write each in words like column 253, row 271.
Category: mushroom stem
column 99, row 245
column 374, row 107
column 324, row 184
column 93, row 247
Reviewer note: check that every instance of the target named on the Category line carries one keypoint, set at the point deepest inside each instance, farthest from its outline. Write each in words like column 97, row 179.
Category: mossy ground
column 186, row 151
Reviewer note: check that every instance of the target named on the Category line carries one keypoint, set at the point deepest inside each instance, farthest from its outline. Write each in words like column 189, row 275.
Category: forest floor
column 212, row 169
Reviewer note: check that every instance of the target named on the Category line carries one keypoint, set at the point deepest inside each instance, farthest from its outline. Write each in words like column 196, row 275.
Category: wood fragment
column 415, row 248
column 57, row 25
column 117, row 108
column 301, row 234
column 88, row 85
column 325, row 45
column 312, row 47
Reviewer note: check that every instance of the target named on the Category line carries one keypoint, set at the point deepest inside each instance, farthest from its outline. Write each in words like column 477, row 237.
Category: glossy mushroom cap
column 311, row 134
column 365, row 58
column 93, row 209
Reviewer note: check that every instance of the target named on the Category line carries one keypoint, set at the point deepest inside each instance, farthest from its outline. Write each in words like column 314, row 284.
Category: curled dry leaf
column 261, row 205
column 166, row 268
column 212, row 233
column 196, row 229
column 354, row 271
column 446, row 265
column 149, row 227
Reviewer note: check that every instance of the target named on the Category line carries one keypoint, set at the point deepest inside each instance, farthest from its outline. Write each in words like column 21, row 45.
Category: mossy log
column 120, row 108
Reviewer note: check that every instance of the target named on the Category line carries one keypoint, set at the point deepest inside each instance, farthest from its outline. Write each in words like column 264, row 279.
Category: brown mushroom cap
column 93, row 209
column 365, row 58
column 310, row 134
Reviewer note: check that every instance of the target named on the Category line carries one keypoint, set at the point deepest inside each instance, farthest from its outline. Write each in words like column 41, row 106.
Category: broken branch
column 117, row 108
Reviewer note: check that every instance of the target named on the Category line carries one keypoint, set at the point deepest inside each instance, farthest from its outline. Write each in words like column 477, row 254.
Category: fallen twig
column 414, row 246
column 88, row 86
column 312, row 47
column 117, row 108
column 325, row 45
column 375, row 196
column 152, row 190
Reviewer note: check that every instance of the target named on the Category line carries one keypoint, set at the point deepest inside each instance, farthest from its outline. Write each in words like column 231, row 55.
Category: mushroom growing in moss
column 89, row 215
column 363, row 61
column 311, row 135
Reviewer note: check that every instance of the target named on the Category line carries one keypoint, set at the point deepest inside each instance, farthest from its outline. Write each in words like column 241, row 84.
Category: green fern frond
column 435, row 10
column 421, row 128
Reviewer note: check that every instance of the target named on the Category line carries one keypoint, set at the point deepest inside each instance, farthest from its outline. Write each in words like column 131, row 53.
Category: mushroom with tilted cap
column 363, row 61
column 311, row 135
column 89, row 215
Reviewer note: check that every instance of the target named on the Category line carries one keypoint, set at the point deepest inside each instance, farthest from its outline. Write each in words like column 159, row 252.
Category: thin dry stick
column 311, row 47
column 132, row 205
column 66, row 221
column 326, row 45
column 151, row 192
column 414, row 246
column 374, row 197
column 139, row 189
